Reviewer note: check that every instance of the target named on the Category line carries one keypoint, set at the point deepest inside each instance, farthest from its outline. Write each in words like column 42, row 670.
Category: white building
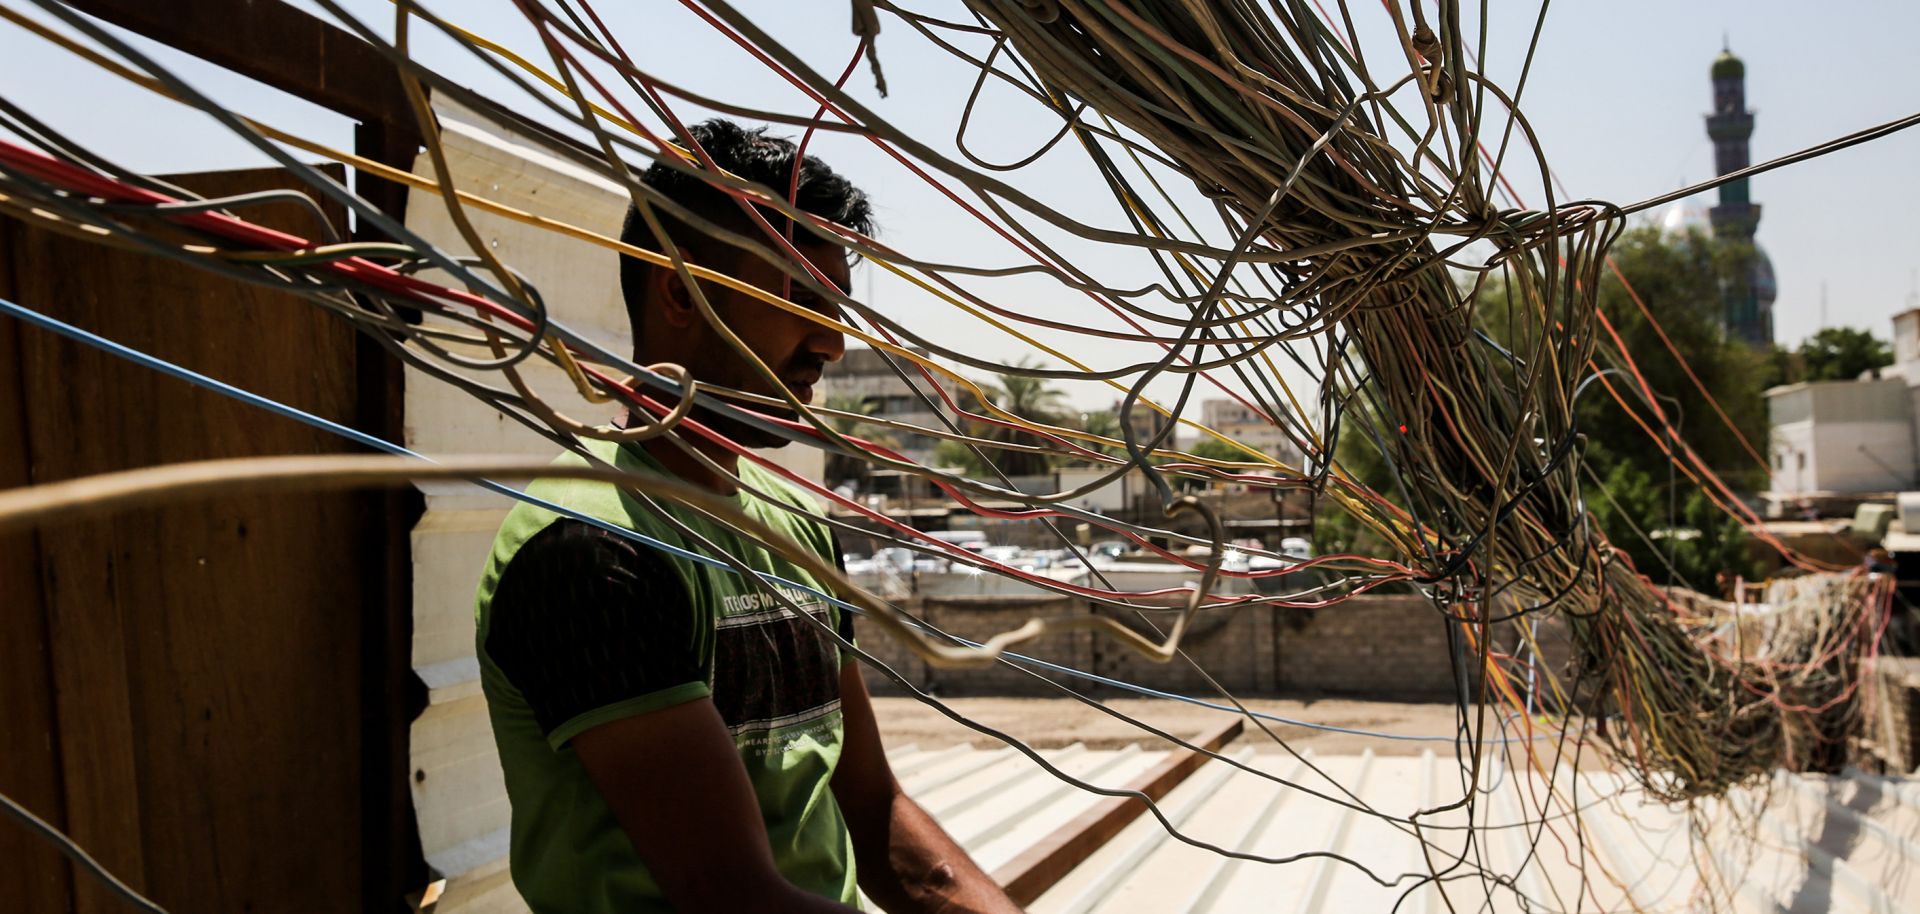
column 1906, row 357
column 1849, row 438
column 1840, row 437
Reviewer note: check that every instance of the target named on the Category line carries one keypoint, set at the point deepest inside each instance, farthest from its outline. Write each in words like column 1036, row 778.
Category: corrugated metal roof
column 1841, row 843
column 997, row 802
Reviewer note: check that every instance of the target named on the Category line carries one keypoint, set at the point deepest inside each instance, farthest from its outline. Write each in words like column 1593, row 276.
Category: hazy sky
column 1616, row 95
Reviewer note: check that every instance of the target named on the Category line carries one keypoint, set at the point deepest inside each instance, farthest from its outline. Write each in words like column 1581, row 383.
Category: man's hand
column 674, row 780
column 907, row 863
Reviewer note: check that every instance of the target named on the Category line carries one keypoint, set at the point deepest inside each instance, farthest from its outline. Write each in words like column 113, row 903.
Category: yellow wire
column 1392, row 529
column 444, row 183
column 1133, row 203
column 556, row 84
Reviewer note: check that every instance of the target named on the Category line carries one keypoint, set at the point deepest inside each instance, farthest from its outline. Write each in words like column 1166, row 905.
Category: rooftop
column 1784, row 845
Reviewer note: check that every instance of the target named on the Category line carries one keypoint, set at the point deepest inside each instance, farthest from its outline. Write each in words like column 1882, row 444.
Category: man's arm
column 674, row 780
column 906, row 861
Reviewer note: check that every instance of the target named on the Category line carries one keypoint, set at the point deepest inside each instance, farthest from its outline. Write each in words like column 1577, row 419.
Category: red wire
column 784, row 240
column 1685, row 365
column 800, row 154
column 826, row 105
column 944, row 190
column 1633, row 294
column 111, row 190
column 381, row 277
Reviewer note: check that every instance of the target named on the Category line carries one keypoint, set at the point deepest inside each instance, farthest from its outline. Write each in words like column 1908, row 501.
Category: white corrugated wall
column 458, row 794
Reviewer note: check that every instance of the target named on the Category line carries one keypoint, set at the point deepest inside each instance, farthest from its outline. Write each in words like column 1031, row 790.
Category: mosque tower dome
column 1680, row 221
column 1765, row 287
column 1678, row 218
column 1727, row 66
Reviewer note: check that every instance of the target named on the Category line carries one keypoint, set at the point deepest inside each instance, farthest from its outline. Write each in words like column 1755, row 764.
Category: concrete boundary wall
column 1891, row 742
column 1370, row 645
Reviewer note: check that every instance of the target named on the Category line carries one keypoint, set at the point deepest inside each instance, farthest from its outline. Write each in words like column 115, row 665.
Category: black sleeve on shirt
column 584, row 618
column 845, row 627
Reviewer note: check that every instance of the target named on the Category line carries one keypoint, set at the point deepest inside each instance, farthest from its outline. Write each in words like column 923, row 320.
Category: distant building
column 864, row 377
column 1242, row 423
column 1749, row 305
column 1906, row 362
column 1835, row 442
column 1841, row 438
column 1146, row 422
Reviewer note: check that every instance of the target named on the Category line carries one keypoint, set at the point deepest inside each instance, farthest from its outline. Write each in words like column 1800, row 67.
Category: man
column 673, row 737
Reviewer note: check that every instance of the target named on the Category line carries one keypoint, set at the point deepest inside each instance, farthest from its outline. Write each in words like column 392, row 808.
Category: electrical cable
column 1357, row 269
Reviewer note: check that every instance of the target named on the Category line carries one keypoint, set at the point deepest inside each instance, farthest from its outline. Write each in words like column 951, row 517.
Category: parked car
column 858, row 563
column 1005, row 555
column 1109, row 550
column 900, row 559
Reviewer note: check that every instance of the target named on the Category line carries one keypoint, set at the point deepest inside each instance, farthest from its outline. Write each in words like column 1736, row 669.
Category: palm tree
column 1032, row 399
column 1029, row 397
column 1106, row 424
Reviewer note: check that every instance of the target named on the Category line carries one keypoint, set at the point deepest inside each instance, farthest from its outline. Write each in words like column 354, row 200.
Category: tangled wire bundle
column 1352, row 200
column 1289, row 133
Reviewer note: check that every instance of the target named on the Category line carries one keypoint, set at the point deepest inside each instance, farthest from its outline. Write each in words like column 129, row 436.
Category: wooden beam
column 35, row 878
column 1031, row 874
column 204, row 666
column 392, row 695
column 274, row 43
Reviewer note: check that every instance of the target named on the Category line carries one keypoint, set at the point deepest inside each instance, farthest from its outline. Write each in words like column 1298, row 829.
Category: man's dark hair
column 754, row 156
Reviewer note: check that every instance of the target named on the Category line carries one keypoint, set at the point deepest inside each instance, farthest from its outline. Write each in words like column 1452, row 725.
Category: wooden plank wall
column 181, row 688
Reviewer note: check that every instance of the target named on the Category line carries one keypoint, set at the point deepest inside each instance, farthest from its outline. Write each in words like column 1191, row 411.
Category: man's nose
column 827, row 343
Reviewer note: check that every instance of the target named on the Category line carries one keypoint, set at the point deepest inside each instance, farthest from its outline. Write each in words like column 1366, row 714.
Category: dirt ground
column 1052, row 722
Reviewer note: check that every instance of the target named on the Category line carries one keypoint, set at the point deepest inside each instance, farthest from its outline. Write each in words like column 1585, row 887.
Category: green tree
column 1784, row 366
column 1106, row 424
column 1681, row 282
column 1842, row 353
column 1027, row 396
column 1673, row 534
column 953, row 455
column 1030, row 398
column 1211, row 448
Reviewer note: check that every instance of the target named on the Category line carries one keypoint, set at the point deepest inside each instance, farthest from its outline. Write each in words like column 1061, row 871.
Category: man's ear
column 673, row 302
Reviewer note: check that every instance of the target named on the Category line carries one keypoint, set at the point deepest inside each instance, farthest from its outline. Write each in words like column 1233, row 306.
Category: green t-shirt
column 589, row 628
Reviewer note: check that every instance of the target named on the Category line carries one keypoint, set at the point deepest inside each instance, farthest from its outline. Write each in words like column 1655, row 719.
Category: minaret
column 1730, row 126
column 1750, row 305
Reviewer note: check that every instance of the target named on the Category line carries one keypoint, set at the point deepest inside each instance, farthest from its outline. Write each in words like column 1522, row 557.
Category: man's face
column 795, row 348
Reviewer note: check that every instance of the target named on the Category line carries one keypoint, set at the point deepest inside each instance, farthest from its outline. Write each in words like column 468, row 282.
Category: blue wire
column 216, row 385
